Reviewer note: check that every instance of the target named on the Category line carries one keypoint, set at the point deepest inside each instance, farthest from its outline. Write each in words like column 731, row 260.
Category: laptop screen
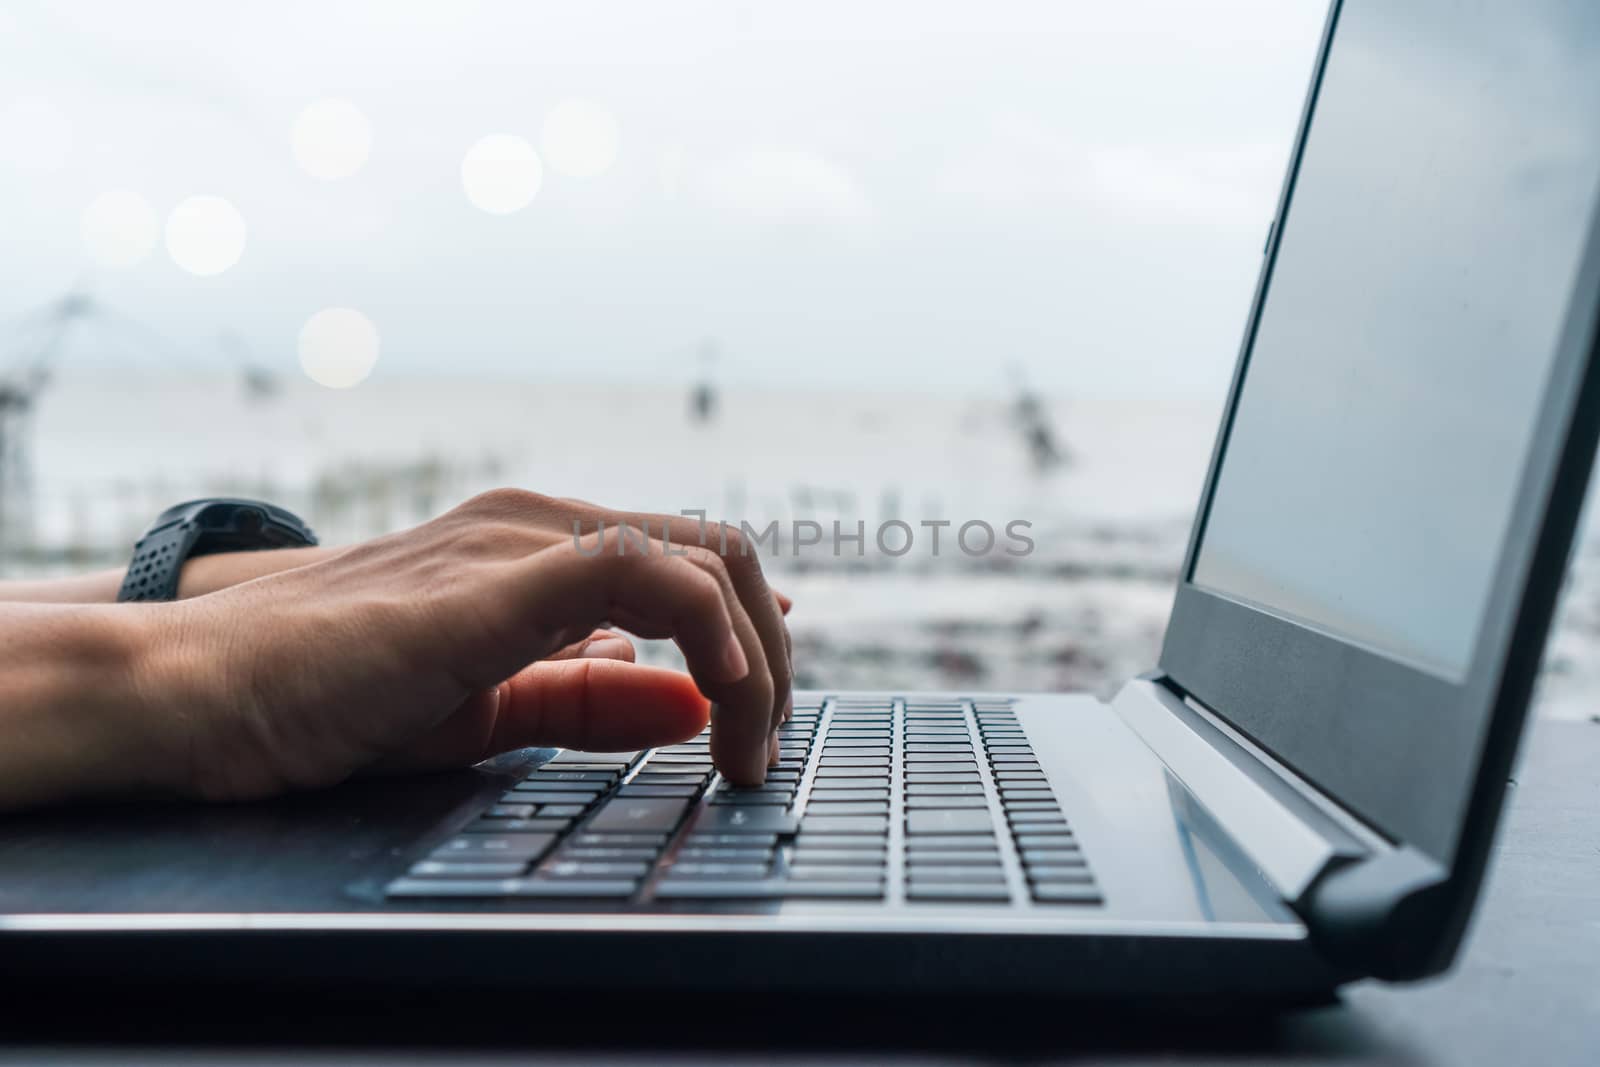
column 1402, row 351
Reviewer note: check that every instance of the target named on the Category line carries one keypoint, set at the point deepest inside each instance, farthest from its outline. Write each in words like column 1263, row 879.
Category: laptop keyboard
column 873, row 800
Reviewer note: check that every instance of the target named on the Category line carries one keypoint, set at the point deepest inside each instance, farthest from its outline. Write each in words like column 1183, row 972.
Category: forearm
column 72, row 711
column 204, row 574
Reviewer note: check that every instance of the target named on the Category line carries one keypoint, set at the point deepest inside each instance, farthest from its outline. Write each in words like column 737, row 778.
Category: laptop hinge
column 1286, row 834
column 1367, row 902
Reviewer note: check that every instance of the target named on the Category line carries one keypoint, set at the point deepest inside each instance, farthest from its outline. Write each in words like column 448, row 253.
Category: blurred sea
column 1084, row 610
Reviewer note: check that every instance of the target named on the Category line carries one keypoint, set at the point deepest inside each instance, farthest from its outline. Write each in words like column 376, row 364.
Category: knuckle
column 507, row 502
column 707, row 560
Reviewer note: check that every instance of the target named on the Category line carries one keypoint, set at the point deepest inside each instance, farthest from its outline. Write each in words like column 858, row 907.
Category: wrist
column 207, row 574
column 73, row 706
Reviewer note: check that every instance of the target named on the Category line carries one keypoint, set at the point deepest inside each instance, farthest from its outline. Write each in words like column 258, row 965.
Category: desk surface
column 1527, row 990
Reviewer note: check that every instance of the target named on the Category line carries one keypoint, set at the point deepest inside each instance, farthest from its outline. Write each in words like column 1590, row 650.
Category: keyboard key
column 715, row 889
column 551, row 774
column 846, row 824
column 1078, row 875
column 944, row 778
column 865, row 807
column 536, row 825
column 1033, row 821
column 1053, row 857
column 611, row 855
column 649, row 813
column 534, row 792
column 563, row 811
column 450, row 887
column 964, row 842
column 499, row 848
column 877, row 774
column 945, row 857
column 949, row 822
column 850, row 889
column 582, row 888
column 438, row 869
column 726, row 855
column 846, row 795
column 766, row 889
column 1064, row 893
column 589, row 839
column 854, row 761
column 561, row 797
column 1027, row 841
column 1030, row 805
column 658, row 790
column 874, row 858
column 818, row 872
column 946, row 802
column 744, row 799
column 854, row 842
column 704, row 840
column 648, row 777
column 844, row 750
column 964, row 789
column 970, row 874
column 975, row 891
column 572, row 868
column 695, row 869
column 512, row 811
column 746, row 820
column 572, row 756
column 1010, row 792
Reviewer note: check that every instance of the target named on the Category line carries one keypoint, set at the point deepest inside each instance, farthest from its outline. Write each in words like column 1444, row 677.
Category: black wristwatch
column 199, row 528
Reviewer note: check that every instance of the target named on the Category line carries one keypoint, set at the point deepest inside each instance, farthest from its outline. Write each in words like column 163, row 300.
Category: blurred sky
column 840, row 193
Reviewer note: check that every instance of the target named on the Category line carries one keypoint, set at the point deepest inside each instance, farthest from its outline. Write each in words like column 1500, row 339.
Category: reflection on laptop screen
column 1410, row 322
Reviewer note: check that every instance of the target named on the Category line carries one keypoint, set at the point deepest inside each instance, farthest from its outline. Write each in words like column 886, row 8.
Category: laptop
column 1300, row 793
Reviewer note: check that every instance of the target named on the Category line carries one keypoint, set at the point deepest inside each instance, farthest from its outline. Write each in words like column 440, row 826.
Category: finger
column 602, row 644
column 741, row 561
column 784, row 603
column 598, row 706
column 601, row 705
column 741, row 720
column 562, row 587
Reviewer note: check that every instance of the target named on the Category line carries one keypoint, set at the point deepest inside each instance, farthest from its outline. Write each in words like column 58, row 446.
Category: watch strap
column 201, row 527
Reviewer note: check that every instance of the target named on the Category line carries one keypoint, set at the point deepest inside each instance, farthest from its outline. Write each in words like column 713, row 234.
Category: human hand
column 469, row 635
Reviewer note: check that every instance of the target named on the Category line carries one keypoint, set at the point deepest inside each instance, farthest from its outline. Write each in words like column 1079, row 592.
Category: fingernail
column 734, row 665
column 606, row 648
column 788, row 707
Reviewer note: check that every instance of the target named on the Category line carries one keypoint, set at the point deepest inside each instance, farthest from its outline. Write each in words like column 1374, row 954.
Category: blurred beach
column 1085, row 609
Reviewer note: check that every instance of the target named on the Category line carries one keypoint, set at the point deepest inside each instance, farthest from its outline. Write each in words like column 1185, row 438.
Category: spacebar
column 763, row 889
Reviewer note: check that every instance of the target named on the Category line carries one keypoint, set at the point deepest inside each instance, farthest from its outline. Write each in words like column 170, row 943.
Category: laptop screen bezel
column 1408, row 751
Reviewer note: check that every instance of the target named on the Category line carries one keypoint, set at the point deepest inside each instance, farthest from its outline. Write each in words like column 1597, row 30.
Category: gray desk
column 1527, row 991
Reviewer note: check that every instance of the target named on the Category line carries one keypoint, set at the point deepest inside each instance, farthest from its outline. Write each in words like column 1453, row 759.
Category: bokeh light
column 119, row 228
column 331, row 139
column 205, row 235
column 580, row 139
column 501, row 174
column 338, row 347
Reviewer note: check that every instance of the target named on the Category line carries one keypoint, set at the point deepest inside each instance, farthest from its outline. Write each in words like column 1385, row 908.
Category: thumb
column 599, row 705
column 602, row 705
